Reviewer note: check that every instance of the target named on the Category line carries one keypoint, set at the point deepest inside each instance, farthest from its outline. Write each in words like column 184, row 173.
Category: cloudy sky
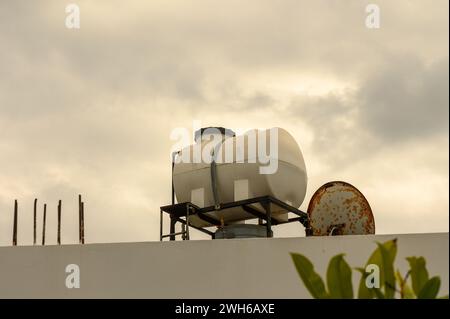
column 90, row 111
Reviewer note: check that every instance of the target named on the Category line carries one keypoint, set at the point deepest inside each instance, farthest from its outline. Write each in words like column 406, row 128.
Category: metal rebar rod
column 43, row 224
column 59, row 223
column 82, row 222
column 15, row 223
column 34, row 220
column 79, row 219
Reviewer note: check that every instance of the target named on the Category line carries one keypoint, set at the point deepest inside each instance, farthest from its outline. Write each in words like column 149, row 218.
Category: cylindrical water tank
column 257, row 163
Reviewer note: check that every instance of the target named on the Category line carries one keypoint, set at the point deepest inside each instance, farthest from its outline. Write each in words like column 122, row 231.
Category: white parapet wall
column 238, row 268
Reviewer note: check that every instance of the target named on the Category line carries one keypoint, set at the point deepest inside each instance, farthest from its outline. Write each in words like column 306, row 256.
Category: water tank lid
column 224, row 131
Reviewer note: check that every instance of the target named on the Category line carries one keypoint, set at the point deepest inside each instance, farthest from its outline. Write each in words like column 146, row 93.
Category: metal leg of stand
column 269, row 219
column 160, row 225
column 183, row 231
column 172, row 227
column 187, row 222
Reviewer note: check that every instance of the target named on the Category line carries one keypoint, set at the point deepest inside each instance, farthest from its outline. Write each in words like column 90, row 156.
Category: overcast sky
column 90, row 111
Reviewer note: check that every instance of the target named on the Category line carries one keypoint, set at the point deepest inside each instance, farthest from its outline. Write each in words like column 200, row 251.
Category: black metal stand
column 180, row 213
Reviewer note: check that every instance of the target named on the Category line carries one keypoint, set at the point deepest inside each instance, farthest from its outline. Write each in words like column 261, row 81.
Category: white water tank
column 257, row 163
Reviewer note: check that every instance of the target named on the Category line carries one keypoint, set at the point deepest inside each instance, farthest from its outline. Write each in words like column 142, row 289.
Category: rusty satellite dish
column 338, row 208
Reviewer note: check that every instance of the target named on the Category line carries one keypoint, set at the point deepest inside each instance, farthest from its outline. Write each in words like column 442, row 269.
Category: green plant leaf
column 388, row 271
column 378, row 293
column 430, row 289
column 419, row 273
column 313, row 282
column 339, row 278
column 377, row 259
column 405, row 290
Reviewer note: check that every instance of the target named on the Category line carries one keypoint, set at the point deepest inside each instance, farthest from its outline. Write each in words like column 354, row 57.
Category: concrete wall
column 245, row 268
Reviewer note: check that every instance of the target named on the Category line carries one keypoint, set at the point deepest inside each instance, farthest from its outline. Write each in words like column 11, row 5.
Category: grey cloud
column 338, row 138
column 405, row 99
column 236, row 98
column 260, row 101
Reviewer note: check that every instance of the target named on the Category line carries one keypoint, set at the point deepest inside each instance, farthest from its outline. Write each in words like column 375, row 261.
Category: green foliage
column 406, row 291
column 419, row 273
column 339, row 278
column 384, row 257
column 391, row 282
column 388, row 253
column 430, row 289
column 311, row 279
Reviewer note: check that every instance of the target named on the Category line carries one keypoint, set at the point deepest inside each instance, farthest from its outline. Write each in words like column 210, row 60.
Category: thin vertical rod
column 183, row 231
column 43, row 224
column 82, row 222
column 15, row 223
column 160, row 224
column 59, row 223
column 269, row 219
column 172, row 220
column 172, row 227
column 173, row 186
column 34, row 220
column 79, row 218
column 187, row 222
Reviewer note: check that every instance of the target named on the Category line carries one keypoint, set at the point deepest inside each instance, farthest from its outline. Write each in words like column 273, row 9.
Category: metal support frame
column 177, row 211
column 267, row 208
column 172, row 228
column 187, row 222
column 160, row 224
column 181, row 212
column 185, row 225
